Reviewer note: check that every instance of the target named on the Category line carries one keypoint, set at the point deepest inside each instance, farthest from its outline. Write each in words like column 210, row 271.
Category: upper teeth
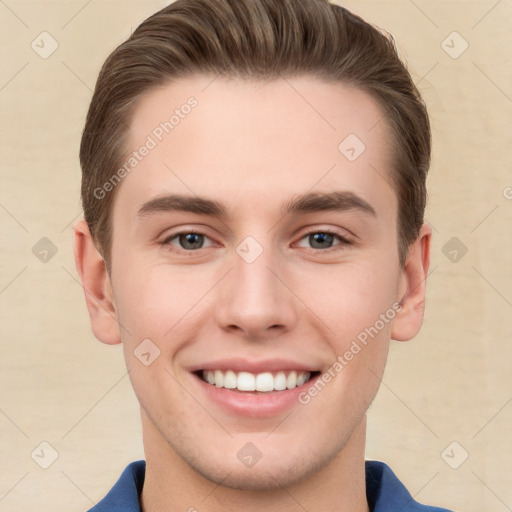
column 245, row 381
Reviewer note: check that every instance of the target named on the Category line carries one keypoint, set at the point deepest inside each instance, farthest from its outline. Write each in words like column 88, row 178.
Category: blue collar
column 385, row 493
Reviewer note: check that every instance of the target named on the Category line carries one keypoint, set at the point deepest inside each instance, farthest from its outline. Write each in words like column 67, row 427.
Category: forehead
column 243, row 142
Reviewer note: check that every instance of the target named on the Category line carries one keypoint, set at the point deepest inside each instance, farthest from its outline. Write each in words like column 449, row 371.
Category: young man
column 253, row 189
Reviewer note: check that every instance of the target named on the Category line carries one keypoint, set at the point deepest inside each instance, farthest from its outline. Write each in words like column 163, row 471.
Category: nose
column 254, row 300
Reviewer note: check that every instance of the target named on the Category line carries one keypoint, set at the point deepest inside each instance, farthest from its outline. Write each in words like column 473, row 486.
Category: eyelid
column 172, row 236
column 343, row 240
column 343, row 233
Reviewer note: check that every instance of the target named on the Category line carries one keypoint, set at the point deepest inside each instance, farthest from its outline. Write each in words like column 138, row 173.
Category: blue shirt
column 384, row 492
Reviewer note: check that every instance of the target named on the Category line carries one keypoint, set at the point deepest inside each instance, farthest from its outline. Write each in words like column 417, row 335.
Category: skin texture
column 254, row 147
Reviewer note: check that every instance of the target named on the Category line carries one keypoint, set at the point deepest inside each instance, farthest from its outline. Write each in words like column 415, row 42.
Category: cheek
column 355, row 302
column 350, row 297
column 152, row 300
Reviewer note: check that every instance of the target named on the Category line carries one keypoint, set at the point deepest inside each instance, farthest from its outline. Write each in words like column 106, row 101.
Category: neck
column 171, row 485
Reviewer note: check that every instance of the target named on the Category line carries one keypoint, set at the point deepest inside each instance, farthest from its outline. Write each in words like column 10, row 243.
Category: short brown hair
column 254, row 39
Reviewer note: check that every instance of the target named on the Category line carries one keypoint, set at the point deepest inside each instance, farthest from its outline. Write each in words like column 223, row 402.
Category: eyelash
column 343, row 241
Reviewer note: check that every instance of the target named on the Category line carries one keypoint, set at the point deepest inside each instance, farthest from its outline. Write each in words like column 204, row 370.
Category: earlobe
column 408, row 320
column 97, row 286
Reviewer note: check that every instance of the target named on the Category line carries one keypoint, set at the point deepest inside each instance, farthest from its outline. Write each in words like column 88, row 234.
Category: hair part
column 254, row 40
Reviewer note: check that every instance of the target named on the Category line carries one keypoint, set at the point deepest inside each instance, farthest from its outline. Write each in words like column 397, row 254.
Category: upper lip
column 251, row 366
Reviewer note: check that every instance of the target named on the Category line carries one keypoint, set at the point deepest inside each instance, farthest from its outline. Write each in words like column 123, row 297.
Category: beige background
column 451, row 384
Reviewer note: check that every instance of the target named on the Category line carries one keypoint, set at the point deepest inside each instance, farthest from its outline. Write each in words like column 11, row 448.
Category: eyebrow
column 305, row 203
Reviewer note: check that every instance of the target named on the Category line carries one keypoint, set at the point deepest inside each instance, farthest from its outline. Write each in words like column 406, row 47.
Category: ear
column 408, row 320
column 97, row 286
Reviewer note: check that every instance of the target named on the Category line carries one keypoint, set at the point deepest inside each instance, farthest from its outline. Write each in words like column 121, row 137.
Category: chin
column 261, row 477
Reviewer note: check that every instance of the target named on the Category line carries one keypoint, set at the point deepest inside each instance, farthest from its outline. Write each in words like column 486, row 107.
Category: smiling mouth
column 265, row 382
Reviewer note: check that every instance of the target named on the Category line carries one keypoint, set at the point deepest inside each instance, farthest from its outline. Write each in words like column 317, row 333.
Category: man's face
column 257, row 290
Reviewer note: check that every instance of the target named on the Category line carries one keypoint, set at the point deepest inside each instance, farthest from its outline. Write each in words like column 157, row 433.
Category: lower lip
column 251, row 404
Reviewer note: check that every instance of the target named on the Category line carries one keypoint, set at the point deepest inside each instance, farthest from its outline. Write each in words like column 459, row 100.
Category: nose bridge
column 254, row 299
